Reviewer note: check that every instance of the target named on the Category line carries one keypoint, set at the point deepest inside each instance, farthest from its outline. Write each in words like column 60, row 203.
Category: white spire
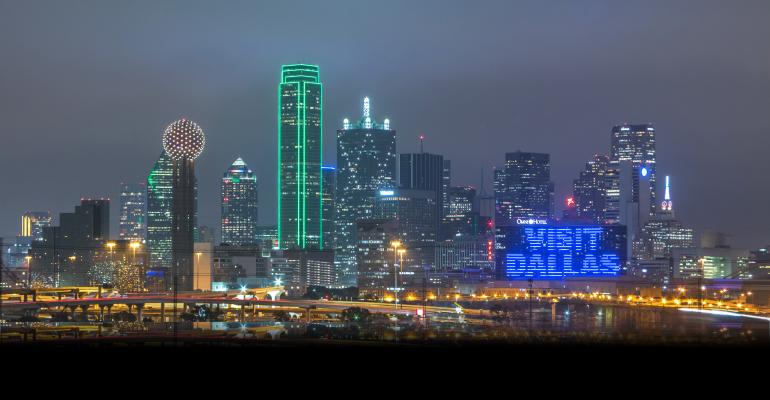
column 345, row 124
column 366, row 107
column 667, row 204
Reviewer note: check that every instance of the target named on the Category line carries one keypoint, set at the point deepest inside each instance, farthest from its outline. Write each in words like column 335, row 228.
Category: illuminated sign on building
column 555, row 252
column 387, row 192
column 531, row 221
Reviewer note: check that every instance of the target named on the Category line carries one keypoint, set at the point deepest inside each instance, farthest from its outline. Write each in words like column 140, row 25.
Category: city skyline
column 727, row 148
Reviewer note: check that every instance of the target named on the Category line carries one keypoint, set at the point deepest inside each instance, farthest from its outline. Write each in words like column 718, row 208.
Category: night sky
column 86, row 89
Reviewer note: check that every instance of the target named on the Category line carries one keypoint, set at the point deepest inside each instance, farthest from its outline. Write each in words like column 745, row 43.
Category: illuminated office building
column 523, row 188
column 159, row 195
column 376, row 258
column 636, row 145
column 446, row 184
column 33, row 222
column 425, row 171
column 462, row 220
column 299, row 157
column 240, row 205
column 415, row 210
column 67, row 251
column 589, row 190
column 133, row 211
column 329, row 177
column 366, row 163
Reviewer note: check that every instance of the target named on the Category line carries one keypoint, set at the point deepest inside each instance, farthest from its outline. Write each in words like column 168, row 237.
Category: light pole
column 400, row 268
column 395, row 244
column 29, row 271
column 134, row 246
column 111, row 246
column 197, row 264
column 700, row 284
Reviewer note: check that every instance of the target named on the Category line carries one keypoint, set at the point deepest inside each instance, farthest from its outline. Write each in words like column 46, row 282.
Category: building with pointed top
column 653, row 248
column 239, row 205
column 366, row 163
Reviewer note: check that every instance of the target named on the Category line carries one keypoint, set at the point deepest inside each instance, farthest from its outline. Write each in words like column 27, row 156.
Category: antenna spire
column 422, row 140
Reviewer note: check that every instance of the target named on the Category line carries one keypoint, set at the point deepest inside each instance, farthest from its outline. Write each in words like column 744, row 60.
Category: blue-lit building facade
column 536, row 249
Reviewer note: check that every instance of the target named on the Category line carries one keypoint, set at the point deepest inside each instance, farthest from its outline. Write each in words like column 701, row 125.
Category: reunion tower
column 183, row 140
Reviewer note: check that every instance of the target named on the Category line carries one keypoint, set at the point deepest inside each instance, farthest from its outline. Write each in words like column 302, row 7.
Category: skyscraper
column 239, row 205
column 523, row 188
column 184, row 141
column 33, row 222
column 67, row 251
column 415, row 210
column 366, row 163
column 159, row 195
column 446, row 184
column 299, row 157
column 589, row 190
column 133, row 211
column 636, row 144
column 329, row 177
column 653, row 248
column 425, row 171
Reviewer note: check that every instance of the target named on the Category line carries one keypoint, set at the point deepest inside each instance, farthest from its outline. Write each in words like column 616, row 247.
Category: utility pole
column 530, row 300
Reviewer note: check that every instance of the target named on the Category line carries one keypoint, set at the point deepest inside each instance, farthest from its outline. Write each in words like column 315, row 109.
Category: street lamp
column 400, row 268
column 29, row 271
column 700, row 283
column 395, row 245
column 134, row 246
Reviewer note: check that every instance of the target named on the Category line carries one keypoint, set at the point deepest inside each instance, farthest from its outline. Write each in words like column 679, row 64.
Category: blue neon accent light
column 549, row 252
column 644, row 171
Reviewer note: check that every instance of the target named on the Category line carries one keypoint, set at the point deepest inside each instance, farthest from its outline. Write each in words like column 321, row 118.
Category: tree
column 356, row 314
column 281, row 316
column 124, row 316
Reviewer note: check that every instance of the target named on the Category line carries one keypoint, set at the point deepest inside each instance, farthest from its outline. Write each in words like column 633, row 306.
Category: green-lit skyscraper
column 159, row 196
column 159, row 201
column 299, row 157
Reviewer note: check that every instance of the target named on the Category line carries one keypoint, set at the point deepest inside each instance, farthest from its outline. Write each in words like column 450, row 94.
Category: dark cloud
column 86, row 89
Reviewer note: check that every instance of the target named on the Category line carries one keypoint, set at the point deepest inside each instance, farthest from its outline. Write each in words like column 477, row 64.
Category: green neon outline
column 299, row 76
column 320, row 165
column 280, row 188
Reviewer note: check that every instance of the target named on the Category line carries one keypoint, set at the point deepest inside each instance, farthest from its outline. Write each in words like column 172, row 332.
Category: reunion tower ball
column 184, row 139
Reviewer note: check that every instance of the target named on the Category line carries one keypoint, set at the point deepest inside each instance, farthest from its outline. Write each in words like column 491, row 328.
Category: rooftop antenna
column 422, row 140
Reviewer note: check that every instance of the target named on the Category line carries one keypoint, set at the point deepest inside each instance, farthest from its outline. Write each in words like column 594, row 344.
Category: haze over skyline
column 86, row 89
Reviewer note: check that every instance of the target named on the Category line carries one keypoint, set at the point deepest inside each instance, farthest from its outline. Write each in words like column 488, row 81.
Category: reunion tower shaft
column 183, row 140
